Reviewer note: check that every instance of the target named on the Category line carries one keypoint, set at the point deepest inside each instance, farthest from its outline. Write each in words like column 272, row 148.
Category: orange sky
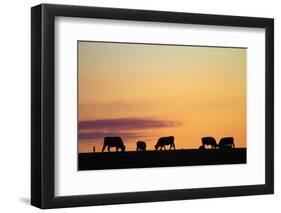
column 143, row 92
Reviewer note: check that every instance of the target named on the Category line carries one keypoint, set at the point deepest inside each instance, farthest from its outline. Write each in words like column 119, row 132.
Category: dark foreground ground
column 131, row 159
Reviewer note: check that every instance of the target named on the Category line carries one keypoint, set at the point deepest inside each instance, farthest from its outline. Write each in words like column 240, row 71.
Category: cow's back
column 141, row 143
column 113, row 141
column 166, row 140
column 227, row 140
column 208, row 140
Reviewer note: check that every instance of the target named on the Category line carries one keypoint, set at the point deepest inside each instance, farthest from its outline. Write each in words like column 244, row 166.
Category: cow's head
column 156, row 147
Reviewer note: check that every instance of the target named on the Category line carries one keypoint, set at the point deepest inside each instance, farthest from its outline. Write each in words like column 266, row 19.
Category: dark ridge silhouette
column 209, row 141
column 163, row 141
column 113, row 142
column 141, row 146
column 182, row 157
column 226, row 143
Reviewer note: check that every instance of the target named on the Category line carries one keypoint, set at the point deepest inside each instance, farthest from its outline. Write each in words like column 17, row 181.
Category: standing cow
column 113, row 142
column 209, row 141
column 162, row 142
column 141, row 146
column 227, row 142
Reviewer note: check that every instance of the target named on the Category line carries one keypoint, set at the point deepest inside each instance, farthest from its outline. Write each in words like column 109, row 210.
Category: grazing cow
column 113, row 142
column 227, row 142
column 201, row 147
column 209, row 141
column 162, row 142
column 141, row 146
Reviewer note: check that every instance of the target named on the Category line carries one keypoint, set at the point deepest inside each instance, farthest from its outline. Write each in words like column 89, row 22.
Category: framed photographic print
column 140, row 106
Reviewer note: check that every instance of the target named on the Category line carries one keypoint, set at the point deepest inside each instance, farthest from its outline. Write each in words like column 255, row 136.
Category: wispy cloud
column 121, row 124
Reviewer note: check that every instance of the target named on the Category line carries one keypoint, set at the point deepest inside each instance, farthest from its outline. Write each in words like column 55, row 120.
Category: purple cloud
column 121, row 124
column 101, row 135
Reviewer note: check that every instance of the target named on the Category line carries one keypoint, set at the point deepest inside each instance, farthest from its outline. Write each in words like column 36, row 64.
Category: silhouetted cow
column 141, row 146
column 227, row 142
column 209, row 141
column 201, row 147
column 162, row 142
column 113, row 142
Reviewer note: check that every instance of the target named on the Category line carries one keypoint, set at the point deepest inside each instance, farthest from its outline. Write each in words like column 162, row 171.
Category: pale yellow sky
column 143, row 92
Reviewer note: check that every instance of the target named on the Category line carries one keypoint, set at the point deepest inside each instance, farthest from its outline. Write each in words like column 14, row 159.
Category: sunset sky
column 144, row 91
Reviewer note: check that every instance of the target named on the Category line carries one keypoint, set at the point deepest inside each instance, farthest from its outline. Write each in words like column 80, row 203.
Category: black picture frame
column 43, row 102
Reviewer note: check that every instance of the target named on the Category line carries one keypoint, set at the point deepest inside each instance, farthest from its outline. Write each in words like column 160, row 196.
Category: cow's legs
column 164, row 147
column 116, row 149
column 108, row 148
